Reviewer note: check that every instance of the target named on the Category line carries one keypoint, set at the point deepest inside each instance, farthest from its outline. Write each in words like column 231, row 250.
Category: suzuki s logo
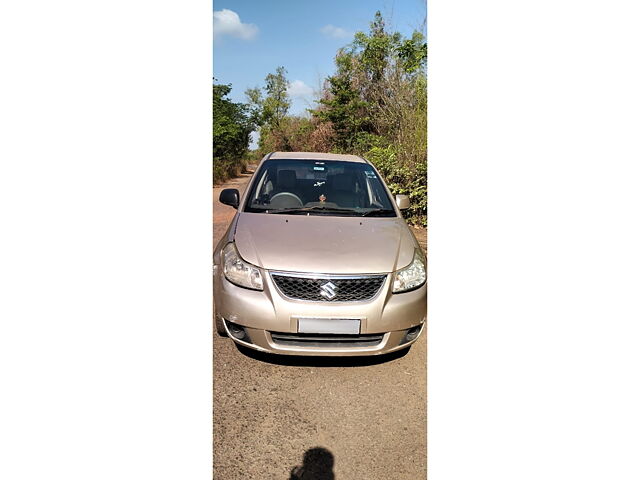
column 328, row 290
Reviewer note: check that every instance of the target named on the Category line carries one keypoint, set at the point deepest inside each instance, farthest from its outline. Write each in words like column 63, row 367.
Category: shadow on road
column 317, row 464
column 305, row 361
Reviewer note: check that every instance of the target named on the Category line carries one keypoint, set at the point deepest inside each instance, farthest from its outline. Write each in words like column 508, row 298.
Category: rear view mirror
column 402, row 201
column 230, row 196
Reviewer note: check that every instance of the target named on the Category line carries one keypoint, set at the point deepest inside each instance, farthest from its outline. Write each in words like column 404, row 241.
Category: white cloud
column 334, row 32
column 227, row 22
column 298, row 88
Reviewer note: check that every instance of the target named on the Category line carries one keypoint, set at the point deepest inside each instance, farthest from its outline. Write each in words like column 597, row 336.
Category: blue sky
column 253, row 37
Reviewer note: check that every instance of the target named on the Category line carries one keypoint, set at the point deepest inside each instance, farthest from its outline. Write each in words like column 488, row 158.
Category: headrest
column 287, row 178
column 344, row 181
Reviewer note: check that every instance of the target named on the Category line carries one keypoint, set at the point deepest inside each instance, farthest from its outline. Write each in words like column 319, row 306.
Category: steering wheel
column 286, row 200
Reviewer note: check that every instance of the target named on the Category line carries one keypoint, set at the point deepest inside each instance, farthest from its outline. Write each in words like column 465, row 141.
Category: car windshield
column 315, row 187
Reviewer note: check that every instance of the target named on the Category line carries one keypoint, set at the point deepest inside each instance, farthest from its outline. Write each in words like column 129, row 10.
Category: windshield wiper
column 310, row 209
column 377, row 211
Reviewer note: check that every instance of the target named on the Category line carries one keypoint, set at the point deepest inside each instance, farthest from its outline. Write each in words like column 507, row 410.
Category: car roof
column 315, row 156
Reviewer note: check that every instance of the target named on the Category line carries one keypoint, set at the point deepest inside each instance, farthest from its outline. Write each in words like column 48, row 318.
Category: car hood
column 324, row 244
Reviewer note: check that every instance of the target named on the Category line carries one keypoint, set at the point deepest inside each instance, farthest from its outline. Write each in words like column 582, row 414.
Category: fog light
column 236, row 331
column 412, row 333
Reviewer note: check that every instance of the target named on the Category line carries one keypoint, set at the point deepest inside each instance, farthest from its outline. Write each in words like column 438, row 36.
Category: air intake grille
column 329, row 289
column 326, row 341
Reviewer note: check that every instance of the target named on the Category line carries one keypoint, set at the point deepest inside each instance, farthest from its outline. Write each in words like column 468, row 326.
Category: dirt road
column 352, row 419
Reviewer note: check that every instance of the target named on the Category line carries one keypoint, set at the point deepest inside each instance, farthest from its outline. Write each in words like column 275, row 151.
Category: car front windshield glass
column 319, row 187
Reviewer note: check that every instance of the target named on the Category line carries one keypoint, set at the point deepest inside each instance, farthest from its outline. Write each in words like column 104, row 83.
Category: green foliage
column 256, row 114
column 344, row 109
column 403, row 180
column 269, row 112
column 374, row 51
column 231, row 129
column 277, row 103
column 374, row 105
column 413, row 52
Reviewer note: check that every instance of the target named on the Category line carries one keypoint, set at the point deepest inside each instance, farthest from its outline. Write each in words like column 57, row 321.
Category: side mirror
column 230, row 196
column 402, row 201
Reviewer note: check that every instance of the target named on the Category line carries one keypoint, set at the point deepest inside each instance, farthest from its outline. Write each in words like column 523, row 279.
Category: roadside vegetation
column 231, row 129
column 374, row 105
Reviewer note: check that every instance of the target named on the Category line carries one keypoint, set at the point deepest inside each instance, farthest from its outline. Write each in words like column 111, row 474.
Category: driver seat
column 287, row 182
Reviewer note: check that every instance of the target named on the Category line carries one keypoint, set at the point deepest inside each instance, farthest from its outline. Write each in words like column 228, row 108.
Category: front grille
column 326, row 341
column 329, row 288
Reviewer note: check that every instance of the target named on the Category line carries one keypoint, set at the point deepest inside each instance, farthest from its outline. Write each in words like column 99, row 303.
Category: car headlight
column 412, row 276
column 239, row 272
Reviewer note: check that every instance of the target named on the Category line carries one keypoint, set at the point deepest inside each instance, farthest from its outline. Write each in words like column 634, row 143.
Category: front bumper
column 267, row 312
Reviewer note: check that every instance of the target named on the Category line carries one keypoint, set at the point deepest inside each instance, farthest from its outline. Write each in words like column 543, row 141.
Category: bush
column 403, row 180
column 224, row 169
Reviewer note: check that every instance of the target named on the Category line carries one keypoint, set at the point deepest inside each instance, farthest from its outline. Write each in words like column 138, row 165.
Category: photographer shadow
column 317, row 464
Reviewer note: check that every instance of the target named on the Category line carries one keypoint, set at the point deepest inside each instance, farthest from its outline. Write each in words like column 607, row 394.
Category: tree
column 270, row 110
column 342, row 104
column 376, row 105
column 231, row 130
column 276, row 103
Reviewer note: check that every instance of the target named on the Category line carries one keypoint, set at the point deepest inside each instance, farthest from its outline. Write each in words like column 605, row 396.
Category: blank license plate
column 329, row 325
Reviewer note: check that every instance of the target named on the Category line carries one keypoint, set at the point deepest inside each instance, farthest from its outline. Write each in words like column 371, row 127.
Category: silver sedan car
column 319, row 261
